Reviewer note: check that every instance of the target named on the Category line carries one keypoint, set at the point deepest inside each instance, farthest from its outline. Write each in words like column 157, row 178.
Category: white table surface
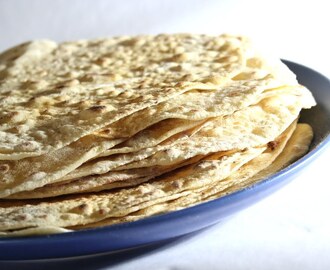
column 289, row 229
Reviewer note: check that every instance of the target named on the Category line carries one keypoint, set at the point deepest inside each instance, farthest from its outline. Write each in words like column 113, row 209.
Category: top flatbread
column 53, row 94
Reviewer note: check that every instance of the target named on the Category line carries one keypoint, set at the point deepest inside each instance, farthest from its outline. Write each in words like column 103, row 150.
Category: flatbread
column 107, row 181
column 297, row 147
column 131, row 177
column 201, row 105
column 83, row 209
column 254, row 171
column 249, row 127
column 62, row 92
column 35, row 231
column 34, row 172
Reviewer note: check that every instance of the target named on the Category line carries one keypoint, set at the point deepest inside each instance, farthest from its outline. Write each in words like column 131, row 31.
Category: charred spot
column 32, row 99
column 59, row 86
column 272, row 145
column 26, row 143
column 106, row 131
column 83, row 207
column 4, row 168
column 101, row 211
column 99, row 108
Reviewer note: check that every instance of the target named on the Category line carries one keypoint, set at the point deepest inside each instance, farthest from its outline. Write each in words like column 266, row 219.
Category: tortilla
column 62, row 92
column 262, row 123
column 30, row 173
column 252, row 172
column 132, row 177
column 83, row 209
column 107, row 181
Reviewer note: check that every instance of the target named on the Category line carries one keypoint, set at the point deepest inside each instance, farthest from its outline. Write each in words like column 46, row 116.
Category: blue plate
column 128, row 236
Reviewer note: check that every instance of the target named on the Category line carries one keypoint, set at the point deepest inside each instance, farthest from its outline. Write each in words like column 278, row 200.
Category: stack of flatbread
column 99, row 132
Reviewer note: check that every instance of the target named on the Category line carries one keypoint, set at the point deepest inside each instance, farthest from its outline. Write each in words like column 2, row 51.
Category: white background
column 288, row 230
column 293, row 29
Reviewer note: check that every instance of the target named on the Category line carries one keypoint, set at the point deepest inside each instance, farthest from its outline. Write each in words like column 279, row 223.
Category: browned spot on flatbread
column 101, row 211
column 4, row 168
column 83, row 206
column 97, row 108
column 272, row 145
